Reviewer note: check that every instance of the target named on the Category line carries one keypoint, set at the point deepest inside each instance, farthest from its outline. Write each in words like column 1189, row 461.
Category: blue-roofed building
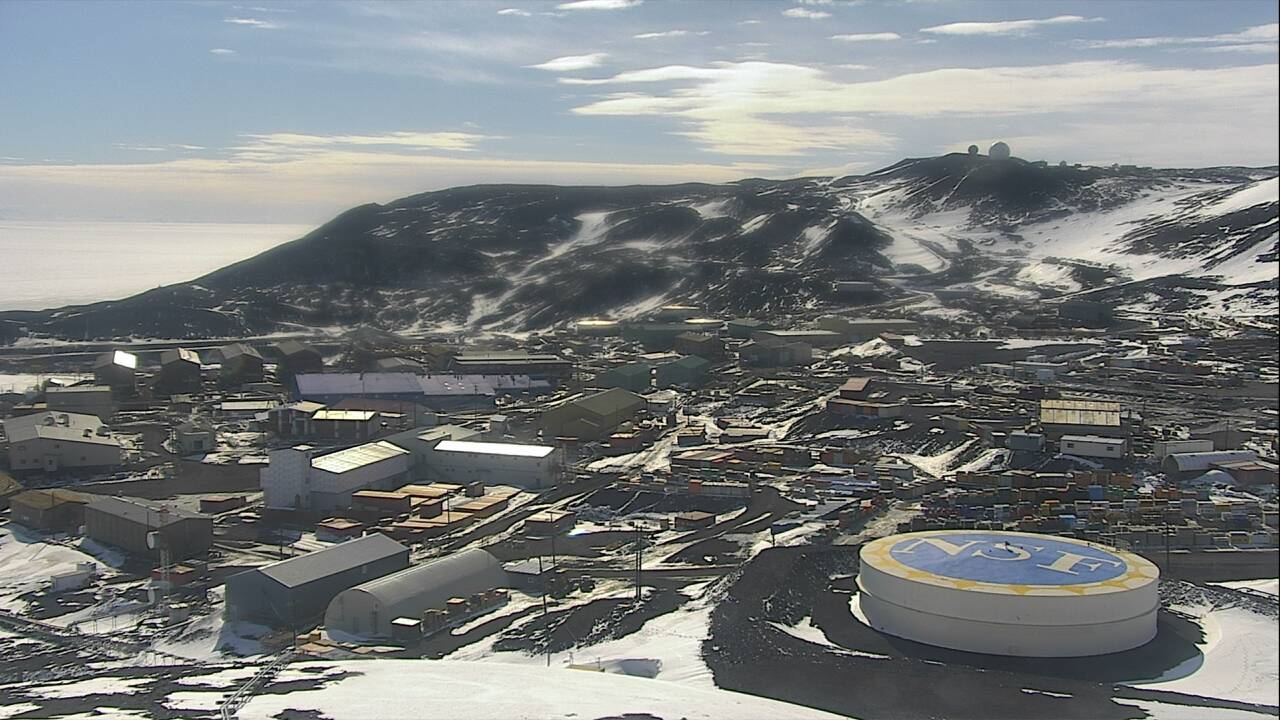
column 438, row 392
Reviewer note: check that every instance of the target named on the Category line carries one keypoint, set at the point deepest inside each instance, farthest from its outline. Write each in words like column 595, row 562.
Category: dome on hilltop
column 999, row 151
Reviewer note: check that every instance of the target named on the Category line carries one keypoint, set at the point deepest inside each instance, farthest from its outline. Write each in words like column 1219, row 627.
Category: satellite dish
column 999, row 151
column 973, row 149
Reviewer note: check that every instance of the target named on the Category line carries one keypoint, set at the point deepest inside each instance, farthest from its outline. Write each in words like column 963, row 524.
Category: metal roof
column 150, row 514
column 54, row 425
column 410, row 591
column 117, row 357
column 357, row 457
column 1096, row 439
column 304, row 569
column 1069, row 411
column 404, row 383
column 610, row 401
column 344, row 415
column 179, row 355
column 1192, row 461
column 486, row 448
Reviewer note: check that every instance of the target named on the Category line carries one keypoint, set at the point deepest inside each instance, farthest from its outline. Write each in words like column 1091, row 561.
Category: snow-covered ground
column 1270, row 586
column 27, row 563
column 1241, row 658
column 450, row 689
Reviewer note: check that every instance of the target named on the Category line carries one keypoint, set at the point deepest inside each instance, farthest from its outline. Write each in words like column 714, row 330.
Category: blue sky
column 290, row 112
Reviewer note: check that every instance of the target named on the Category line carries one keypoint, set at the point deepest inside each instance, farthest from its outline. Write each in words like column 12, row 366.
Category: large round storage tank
column 1008, row 593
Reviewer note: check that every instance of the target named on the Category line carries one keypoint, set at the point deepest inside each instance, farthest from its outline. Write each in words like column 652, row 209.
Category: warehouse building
column 636, row 377
column 863, row 329
column 296, row 358
column 296, row 479
column 343, row 425
column 438, row 392
column 544, row 366
column 744, row 328
column 240, row 364
column 295, row 592
column 83, row 399
column 592, row 417
column 1008, row 593
column 179, row 372
column 525, row 466
column 689, row 371
column 54, row 510
column 819, row 338
column 700, row 344
column 421, row 444
column 55, row 441
column 368, row 610
column 1070, row 416
column 125, row 523
column 770, row 352
column 118, row 370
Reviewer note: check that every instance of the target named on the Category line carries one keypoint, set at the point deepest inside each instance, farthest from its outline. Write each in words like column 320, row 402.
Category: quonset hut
column 1008, row 593
column 367, row 610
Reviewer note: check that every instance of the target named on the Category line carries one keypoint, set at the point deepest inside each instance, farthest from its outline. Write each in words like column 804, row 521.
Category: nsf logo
column 1002, row 558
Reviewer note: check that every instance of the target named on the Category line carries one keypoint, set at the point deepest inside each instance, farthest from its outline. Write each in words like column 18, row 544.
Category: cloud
column 251, row 22
column 1005, row 27
column 307, row 188
column 1263, row 48
column 569, row 63
column 867, row 37
column 668, row 34
column 763, row 108
column 270, row 147
column 599, row 4
column 222, row 51
column 1252, row 35
column 805, row 14
column 515, row 11
column 750, row 22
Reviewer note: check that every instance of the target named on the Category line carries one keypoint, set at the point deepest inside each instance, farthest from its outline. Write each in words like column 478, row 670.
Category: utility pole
column 639, row 557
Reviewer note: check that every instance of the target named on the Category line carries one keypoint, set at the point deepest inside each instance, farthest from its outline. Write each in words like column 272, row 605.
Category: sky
column 293, row 111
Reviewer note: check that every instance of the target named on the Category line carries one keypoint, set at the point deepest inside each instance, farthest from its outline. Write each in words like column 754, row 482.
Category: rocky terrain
column 518, row 258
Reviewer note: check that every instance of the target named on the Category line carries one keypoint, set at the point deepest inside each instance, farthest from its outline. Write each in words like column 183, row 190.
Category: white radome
column 1008, row 593
column 999, row 151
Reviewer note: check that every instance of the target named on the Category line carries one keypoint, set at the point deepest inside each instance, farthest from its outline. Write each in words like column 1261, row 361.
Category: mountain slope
column 508, row 257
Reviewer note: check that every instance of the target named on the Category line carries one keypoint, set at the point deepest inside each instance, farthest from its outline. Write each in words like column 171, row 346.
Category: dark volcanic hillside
column 523, row 257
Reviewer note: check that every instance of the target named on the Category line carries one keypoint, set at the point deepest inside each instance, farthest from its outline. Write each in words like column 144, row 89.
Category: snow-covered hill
column 529, row 257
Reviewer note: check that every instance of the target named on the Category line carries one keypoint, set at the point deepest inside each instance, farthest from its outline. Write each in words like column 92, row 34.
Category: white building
column 1093, row 446
column 526, row 466
column 52, row 441
column 421, row 443
column 296, row 479
column 1008, row 593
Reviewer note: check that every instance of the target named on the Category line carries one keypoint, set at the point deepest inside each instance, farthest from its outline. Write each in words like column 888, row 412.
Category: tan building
column 57, row 510
column 53, row 441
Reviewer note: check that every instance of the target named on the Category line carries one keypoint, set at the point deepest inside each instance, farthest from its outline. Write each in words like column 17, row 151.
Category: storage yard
column 256, row 528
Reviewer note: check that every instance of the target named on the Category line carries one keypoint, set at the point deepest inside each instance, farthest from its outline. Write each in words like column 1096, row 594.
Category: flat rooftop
column 484, row 448
column 357, row 457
